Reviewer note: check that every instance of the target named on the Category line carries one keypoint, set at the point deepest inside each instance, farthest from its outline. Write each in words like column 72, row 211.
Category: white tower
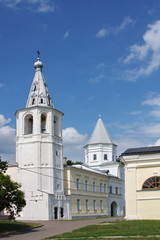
column 39, row 153
column 100, row 151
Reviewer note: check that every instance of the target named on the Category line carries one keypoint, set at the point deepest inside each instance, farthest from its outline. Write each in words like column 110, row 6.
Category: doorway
column 113, row 209
column 56, row 213
column 61, row 212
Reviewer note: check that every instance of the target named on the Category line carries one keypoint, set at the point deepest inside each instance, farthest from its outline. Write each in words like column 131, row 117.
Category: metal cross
column 38, row 52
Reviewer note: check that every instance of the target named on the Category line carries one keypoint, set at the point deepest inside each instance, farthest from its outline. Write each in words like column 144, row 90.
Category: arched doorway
column 113, row 209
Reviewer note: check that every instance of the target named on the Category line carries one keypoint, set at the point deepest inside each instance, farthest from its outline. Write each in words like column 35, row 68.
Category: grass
column 11, row 226
column 123, row 228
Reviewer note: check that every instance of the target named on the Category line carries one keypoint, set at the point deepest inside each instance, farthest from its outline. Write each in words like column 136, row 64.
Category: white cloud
column 73, row 144
column 126, row 21
column 72, row 136
column 96, row 79
column 115, row 30
column 153, row 99
column 66, row 34
column 3, row 120
column 102, row 33
column 135, row 113
column 7, row 140
column 151, row 130
column 41, row 6
column 149, row 52
column 155, row 113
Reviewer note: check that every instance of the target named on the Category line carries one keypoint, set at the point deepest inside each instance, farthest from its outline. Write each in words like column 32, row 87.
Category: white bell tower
column 39, row 153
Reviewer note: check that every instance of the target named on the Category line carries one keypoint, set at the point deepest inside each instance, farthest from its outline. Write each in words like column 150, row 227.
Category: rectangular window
column 101, row 187
column 94, row 205
column 105, row 190
column 101, row 204
column 105, row 157
column 110, row 189
column 116, row 190
column 78, row 184
column 87, row 205
column 94, row 186
column 78, row 205
column 86, row 185
column 94, row 156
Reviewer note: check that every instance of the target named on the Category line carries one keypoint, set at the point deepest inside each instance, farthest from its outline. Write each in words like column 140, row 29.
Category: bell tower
column 39, row 153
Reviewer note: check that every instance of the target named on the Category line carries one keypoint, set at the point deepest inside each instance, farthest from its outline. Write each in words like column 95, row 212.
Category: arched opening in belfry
column 43, row 123
column 56, row 126
column 28, row 124
column 113, row 209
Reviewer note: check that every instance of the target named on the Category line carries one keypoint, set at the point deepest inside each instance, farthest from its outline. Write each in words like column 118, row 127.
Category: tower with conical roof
column 100, row 148
column 39, row 153
column 100, row 151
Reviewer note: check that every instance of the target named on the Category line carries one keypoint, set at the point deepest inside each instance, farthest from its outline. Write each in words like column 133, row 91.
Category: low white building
column 142, row 182
column 101, row 155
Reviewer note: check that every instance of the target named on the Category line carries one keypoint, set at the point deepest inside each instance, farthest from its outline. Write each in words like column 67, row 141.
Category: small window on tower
column 41, row 100
column 94, row 156
column 33, row 101
column 35, row 88
column 43, row 123
column 105, row 157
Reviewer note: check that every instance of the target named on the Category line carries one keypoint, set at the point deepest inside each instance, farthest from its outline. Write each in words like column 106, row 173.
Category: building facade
column 142, row 182
column 101, row 155
column 53, row 191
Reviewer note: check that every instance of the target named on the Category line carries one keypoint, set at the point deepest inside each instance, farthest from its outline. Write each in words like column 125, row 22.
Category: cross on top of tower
column 38, row 54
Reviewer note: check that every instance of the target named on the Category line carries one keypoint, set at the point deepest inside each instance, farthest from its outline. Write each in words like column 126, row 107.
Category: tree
column 11, row 198
column 70, row 163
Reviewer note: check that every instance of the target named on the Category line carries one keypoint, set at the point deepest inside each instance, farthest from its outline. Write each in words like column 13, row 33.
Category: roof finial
column 99, row 116
column 38, row 53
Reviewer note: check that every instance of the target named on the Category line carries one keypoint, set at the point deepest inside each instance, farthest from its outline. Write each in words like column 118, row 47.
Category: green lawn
column 123, row 228
column 11, row 226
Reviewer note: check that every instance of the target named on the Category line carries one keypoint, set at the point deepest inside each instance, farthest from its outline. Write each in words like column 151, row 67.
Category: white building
column 39, row 153
column 52, row 191
column 101, row 155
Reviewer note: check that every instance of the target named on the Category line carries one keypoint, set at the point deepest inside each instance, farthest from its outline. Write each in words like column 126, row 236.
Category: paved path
column 51, row 228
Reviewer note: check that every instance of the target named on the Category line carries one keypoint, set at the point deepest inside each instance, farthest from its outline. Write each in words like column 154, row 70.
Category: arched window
column 28, row 124
column 151, row 183
column 43, row 123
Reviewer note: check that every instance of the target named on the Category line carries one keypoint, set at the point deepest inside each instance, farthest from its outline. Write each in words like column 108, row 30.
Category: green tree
column 70, row 163
column 11, row 198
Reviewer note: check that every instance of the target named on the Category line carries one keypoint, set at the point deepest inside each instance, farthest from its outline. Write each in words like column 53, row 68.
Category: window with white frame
column 101, row 187
column 78, row 184
column 78, row 205
column 105, row 190
column 86, row 185
column 105, row 157
column 110, row 189
column 116, row 190
column 94, row 156
column 94, row 186
column 87, row 205
column 101, row 204
column 94, row 205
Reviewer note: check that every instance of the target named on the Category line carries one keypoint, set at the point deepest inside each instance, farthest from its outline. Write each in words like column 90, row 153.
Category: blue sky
column 100, row 57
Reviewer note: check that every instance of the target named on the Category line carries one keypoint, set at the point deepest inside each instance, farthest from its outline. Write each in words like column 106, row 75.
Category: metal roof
column 141, row 150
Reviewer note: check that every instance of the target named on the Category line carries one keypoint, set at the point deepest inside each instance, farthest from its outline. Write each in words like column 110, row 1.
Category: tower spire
column 39, row 94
